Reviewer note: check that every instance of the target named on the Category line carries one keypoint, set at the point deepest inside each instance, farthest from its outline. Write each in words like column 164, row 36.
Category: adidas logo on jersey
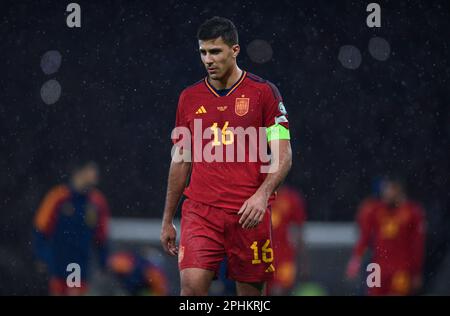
column 201, row 110
column 271, row 268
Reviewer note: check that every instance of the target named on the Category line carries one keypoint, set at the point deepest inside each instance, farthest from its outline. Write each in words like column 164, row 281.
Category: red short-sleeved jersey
column 396, row 236
column 216, row 124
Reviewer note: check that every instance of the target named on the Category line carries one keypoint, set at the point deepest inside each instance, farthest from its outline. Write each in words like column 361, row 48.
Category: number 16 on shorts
column 266, row 252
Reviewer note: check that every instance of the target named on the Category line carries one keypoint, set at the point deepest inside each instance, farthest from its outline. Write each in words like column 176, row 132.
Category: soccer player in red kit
column 226, row 213
column 394, row 228
column 288, row 210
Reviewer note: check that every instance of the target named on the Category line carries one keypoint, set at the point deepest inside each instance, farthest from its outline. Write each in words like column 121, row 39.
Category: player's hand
column 353, row 267
column 253, row 210
column 168, row 239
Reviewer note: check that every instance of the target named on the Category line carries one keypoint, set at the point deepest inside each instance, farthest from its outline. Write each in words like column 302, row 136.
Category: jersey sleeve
column 364, row 221
column 181, row 120
column 298, row 214
column 44, row 219
column 44, row 223
column 101, row 232
column 102, row 228
column 274, row 110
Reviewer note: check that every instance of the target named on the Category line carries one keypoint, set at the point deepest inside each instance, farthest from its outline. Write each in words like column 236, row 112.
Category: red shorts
column 208, row 234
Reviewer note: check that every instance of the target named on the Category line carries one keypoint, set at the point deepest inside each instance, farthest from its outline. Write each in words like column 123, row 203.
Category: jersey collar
column 233, row 87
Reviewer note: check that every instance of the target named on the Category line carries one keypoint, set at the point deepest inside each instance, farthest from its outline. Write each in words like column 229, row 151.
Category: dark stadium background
column 122, row 71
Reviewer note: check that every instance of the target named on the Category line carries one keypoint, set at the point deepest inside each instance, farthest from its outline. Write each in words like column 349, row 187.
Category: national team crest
column 241, row 106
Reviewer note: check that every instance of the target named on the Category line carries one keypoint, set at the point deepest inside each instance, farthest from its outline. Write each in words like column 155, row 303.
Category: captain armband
column 277, row 131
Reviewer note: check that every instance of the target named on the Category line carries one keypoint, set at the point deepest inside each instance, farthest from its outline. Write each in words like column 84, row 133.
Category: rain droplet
column 50, row 62
column 379, row 48
column 50, row 91
column 350, row 56
column 259, row 51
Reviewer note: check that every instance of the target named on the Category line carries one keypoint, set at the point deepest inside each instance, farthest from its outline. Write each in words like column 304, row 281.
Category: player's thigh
column 195, row 281
column 202, row 241
column 249, row 251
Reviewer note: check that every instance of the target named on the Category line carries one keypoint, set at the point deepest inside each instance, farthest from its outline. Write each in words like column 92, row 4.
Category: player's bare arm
column 178, row 174
column 253, row 210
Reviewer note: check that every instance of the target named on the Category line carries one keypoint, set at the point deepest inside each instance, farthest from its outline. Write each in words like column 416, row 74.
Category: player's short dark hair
column 218, row 27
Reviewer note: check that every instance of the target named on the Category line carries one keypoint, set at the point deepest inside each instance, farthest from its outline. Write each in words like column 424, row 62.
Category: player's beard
column 214, row 76
column 220, row 74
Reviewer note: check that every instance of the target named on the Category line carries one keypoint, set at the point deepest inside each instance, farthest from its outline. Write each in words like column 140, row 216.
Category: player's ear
column 236, row 49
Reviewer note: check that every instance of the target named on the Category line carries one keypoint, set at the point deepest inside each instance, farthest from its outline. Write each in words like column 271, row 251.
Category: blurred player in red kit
column 227, row 210
column 394, row 229
column 288, row 210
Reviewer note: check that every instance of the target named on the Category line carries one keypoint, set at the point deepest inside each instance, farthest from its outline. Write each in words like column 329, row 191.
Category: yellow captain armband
column 277, row 131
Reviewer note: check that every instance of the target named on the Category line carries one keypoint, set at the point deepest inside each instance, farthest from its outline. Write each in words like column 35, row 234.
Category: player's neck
column 228, row 80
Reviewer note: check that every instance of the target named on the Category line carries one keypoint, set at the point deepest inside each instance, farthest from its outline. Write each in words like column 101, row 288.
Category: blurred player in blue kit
column 71, row 219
